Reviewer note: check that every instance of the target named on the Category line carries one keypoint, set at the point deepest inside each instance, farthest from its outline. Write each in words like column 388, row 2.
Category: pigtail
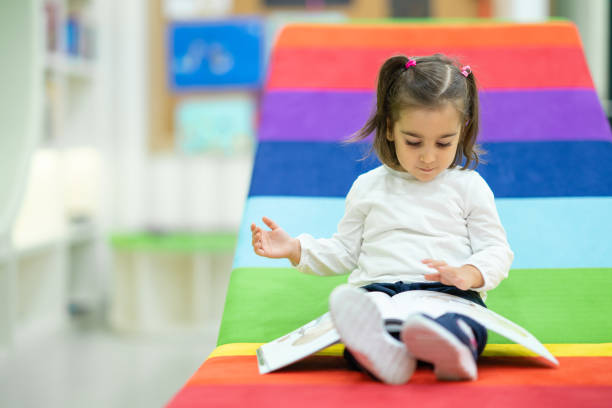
column 378, row 122
column 470, row 151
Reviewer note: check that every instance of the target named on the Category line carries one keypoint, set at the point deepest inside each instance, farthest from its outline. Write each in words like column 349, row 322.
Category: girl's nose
column 427, row 157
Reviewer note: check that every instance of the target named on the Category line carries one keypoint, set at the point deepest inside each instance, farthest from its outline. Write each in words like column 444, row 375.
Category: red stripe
column 495, row 68
column 492, row 371
column 456, row 395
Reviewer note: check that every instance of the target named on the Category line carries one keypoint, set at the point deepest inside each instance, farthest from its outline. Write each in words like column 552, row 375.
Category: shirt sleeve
column 336, row 255
column 491, row 253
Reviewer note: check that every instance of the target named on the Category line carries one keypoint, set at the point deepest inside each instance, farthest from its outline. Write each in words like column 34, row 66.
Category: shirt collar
column 407, row 176
column 402, row 174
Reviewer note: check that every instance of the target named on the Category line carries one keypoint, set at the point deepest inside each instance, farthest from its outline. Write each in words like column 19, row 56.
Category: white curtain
column 20, row 107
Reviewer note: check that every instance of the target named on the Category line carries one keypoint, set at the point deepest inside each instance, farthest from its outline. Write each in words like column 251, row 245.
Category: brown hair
column 433, row 81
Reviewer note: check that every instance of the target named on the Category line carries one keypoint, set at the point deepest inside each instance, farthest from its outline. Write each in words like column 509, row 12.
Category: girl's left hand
column 463, row 277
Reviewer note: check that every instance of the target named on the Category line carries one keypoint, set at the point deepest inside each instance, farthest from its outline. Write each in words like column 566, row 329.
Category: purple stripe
column 518, row 116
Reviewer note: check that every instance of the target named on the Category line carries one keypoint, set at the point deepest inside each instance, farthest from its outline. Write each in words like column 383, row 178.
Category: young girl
column 421, row 221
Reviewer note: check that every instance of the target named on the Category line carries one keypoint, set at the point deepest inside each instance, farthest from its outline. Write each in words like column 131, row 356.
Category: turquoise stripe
column 318, row 216
column 543, row 232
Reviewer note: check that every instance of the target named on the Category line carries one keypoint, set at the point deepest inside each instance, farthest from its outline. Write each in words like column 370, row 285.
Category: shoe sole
column 361, row 328
column 429, row 341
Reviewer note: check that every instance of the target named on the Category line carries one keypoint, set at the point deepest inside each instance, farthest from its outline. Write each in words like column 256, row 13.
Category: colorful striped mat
column 549, row 164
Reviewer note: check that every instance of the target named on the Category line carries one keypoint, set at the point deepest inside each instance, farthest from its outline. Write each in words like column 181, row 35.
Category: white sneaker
column 427, row 340
column 361, row 328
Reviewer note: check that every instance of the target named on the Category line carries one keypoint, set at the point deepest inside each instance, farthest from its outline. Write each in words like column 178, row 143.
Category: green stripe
column 263, row 304
column 175, row 242
column 556, row 306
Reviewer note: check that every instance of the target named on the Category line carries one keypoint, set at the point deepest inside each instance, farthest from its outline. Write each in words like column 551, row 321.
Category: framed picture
column 215, row 54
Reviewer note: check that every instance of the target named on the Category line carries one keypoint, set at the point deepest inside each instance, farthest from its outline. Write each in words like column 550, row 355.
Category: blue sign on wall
column 215, row 54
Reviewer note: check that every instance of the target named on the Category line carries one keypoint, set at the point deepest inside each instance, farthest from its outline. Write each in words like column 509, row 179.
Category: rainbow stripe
column 546, row 115
column 549, row 164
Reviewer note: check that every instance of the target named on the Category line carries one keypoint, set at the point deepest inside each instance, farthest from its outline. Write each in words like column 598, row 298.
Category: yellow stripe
column 235, row 349
column 491, row 350
column 557, row 350
column 248, row 349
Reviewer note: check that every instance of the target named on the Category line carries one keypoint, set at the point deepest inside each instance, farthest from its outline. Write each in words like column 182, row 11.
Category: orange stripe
column 334, row 370
column 425, row 35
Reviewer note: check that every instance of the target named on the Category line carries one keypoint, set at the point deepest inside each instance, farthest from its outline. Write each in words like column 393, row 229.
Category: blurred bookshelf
column 55, row 238
column 75, row 67
column 71, row 70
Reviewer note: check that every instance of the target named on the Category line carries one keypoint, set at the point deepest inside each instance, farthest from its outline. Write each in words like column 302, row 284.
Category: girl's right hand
column 275, row 243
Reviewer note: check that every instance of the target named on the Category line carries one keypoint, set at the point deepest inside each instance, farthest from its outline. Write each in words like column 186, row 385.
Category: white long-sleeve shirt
column 393, row 221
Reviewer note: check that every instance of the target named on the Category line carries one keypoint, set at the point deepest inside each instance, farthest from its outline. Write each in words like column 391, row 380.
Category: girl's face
column 426, row 140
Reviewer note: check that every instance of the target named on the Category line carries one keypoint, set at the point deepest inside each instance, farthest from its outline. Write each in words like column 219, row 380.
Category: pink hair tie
column 466, row 70
column 410, row 63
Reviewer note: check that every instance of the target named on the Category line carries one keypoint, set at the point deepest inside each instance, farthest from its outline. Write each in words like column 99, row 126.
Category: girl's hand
column 464, row 277
column 275, row 243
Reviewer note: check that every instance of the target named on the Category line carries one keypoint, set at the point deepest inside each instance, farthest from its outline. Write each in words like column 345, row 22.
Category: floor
column 87, row 365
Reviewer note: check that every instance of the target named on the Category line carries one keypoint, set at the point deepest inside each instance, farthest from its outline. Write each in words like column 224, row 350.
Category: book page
column 320, row 333
column 308, row 339
column 436, row 304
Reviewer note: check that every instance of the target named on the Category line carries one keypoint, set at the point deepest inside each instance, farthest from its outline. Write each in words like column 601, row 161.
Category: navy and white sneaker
column 450, row 346
column 362, row 330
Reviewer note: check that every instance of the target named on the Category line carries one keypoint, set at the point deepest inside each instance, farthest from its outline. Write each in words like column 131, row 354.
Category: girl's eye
column 419, row 143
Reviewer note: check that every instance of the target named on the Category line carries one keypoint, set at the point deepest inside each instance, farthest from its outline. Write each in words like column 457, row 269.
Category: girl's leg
column 450, row 321
column 452, row 343
column 360, row 325
column 393, row 327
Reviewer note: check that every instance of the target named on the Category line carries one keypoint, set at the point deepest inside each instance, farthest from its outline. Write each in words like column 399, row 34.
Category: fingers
column 446, row 275
column 434, row 263
column 259, row 251
column 256, row 239
column 270, row 223
column 258, row 248
column 257, row 244
column 255, row 231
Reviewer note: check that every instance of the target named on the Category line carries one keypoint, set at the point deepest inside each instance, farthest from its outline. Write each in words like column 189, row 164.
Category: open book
column 320, row 333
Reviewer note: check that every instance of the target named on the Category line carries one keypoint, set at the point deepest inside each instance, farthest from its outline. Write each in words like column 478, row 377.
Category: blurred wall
column 157, row 186
column 593, row 20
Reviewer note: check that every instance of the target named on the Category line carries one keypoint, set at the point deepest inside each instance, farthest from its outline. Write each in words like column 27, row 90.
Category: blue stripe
column 531, row 169
column 543, row 232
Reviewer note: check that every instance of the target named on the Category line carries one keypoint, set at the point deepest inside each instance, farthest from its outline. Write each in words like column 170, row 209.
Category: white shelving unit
column 70, row 66
column 162, row 292
column 49, row 265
